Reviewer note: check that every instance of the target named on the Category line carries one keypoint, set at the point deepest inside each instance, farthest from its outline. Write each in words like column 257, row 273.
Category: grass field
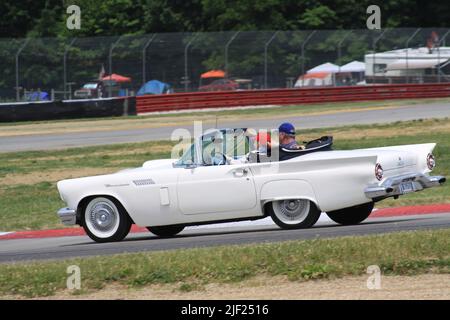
column 29, row 199
column 405, row 253
column 179, row 119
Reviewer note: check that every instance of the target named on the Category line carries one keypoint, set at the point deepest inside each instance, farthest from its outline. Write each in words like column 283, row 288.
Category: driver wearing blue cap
column 287, row 137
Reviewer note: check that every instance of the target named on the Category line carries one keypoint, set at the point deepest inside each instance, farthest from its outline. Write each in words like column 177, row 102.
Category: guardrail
column 205, row 100
column 68, row 109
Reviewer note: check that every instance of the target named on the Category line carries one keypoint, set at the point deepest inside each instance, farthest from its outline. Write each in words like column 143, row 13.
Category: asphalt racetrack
column 228, row 234
column 331, row 119
column 260, row 231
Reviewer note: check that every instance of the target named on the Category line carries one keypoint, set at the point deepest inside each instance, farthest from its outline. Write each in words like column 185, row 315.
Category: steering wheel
column 224, row 159
column 215, row 160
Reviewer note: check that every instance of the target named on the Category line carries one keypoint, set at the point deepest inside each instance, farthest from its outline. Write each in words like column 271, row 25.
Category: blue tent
column 154, row 87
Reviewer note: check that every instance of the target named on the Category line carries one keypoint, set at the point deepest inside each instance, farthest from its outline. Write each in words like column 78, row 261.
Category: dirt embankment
column 427, row 286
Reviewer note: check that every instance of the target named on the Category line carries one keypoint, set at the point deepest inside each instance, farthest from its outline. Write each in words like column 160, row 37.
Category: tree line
column 47, row 18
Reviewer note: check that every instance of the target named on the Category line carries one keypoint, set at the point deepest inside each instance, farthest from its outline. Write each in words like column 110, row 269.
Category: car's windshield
column 233, row 143
column 188, row 157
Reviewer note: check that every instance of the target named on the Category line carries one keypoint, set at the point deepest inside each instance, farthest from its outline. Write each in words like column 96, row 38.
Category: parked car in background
column 91, row 90
column 220, row 85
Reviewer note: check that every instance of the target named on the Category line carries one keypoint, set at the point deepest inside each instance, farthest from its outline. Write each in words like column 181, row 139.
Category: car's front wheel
column 293, row 213
column 105, row 220
column 166, row 231
column 352, row 215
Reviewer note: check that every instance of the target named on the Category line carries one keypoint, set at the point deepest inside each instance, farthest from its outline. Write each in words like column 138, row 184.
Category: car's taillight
column 431, row 162
column 378, row 171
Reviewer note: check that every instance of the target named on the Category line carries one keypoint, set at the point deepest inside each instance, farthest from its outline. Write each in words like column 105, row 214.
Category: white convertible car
column 223, row 177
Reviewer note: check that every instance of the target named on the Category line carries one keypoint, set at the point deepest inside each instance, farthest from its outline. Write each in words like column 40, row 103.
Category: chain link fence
column 54, row 68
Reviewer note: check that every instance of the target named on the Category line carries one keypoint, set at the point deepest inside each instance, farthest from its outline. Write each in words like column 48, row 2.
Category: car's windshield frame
column 234, row 143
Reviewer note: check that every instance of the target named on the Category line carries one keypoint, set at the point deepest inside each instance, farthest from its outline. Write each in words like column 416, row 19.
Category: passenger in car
column 264, row 142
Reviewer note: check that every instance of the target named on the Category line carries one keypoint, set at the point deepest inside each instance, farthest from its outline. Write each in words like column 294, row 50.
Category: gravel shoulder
column 421, row 287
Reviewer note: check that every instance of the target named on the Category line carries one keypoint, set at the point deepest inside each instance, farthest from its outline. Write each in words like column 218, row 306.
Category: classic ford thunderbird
column 223, row 176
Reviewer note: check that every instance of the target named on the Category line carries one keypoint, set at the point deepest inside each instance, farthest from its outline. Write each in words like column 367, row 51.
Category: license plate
column 406, row 187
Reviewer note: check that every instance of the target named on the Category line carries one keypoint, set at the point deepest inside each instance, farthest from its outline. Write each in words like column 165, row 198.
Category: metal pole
column 17, row 68
column 266, row 47
column 303, row 53
column 407, row 48
column 340, row 53
column 144, row 54
column 227, row 46
column 374, row 45
column 186, row 49
column 439, row 54
column 66, row 51
column 110, row 64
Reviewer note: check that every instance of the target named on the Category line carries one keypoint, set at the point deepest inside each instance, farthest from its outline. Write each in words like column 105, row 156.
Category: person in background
column 264, row 142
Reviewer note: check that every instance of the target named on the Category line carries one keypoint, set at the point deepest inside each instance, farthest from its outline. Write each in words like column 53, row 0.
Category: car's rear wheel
column 352, row 215
column 293, row 213
column 105, row 220
column 166, row 231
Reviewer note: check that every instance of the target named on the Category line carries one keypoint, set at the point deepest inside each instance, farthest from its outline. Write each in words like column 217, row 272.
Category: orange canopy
column 315, row 75
column 213, row 74
column 117, row 78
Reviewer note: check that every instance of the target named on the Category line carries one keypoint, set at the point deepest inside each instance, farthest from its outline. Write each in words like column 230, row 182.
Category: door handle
column 240, row 172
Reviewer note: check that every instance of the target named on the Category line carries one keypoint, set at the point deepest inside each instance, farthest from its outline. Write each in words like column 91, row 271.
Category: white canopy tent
column 354, row 66
column 325, row 67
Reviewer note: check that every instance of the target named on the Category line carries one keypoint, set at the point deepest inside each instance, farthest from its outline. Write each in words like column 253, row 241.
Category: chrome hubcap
column 103, row 216
column 291, row 211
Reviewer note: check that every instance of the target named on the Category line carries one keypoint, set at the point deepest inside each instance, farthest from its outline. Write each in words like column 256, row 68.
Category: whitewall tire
column 293, row 213
column 105, row 220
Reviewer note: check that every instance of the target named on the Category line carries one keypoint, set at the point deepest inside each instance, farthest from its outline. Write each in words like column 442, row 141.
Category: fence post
column 17, row 67
column 407, row 48
column 111, row 48
column 439, row 54
column 186, row 49
column 303, row 53
column 144, row 53
column 66, row 52
column 374, row 46
column 227, row 46
column 266, row 47
column 340, row 53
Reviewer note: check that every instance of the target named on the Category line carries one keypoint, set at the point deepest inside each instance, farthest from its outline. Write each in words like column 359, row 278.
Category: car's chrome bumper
column 68, row 216
column 392, row 186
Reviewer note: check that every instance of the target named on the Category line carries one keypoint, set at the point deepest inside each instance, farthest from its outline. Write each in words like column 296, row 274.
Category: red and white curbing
column 380, row 213
column 4, row 233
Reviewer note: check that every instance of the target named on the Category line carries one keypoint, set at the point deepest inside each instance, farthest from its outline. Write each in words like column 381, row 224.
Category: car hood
column 152, row 165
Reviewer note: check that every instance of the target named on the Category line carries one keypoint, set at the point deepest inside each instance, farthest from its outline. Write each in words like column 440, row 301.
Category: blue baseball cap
column 287, row 128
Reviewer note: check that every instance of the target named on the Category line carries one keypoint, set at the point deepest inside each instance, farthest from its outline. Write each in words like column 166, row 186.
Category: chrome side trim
column 391, row 186
column 68, row 216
